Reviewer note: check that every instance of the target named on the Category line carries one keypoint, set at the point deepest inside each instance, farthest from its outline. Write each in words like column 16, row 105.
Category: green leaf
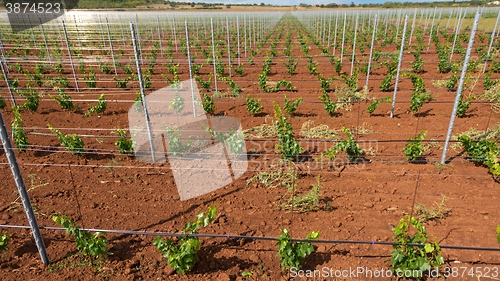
column 413, row 258
column 4, row 239
column 439, row 260
column 292, row 254
column 498, row 231
column 429, row 248
column 89, row 244
column 182, row 254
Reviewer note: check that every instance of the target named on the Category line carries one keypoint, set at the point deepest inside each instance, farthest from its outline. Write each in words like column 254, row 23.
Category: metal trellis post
column 111, row 47
column 399, row 66
column 70, row 56
column 143, row 95
column 460, row 86
column 371, row 48
column 213, row 54
column 23, row 193
column 354, row 44
column 190, row 68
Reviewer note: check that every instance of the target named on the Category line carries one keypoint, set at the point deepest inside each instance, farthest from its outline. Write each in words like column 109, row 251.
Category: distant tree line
column 99, row 4
column 391, row 5
column 128, row 4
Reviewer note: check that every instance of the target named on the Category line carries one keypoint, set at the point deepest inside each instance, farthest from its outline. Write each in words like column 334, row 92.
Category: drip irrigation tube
column 265, row 238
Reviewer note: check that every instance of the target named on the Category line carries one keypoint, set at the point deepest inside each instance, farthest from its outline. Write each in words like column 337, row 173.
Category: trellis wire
column 122, row 32
column 427, row 17
column 60, row 36
column 99, row 23
column 386, row 25
column 111, row 47
column 5, row 76
column 139, row 48
column 457, row 29
column 159, row 35
column 396, row 159
column 439, row 21
column 197, row 25
column 70, row 55
column 460, row 86
column 450, row 14
column 491, row 43
column 77, row 33
column 398, row 18
column 174, row 33
column 264, row 238
column 396, row 87
column 430, row 33
column 363, row 18
column 45, row 41
column 413, row 26
column 3, row 60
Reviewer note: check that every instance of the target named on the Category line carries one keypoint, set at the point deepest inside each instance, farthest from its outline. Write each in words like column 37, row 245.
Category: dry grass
column 346, row 97
column 309, row 130
column 473, row 133
column 364, row 129
column 439, row 83
column 491, row 134
column 485, row 24
column 492, row 95
column 261, row 131
column 435, row 213
column 283, row 174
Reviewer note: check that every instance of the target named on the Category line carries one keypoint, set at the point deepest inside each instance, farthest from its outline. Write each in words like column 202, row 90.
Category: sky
column 297, row 2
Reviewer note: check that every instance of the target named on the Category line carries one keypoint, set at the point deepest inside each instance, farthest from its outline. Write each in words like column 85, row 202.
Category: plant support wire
column 264, row 238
